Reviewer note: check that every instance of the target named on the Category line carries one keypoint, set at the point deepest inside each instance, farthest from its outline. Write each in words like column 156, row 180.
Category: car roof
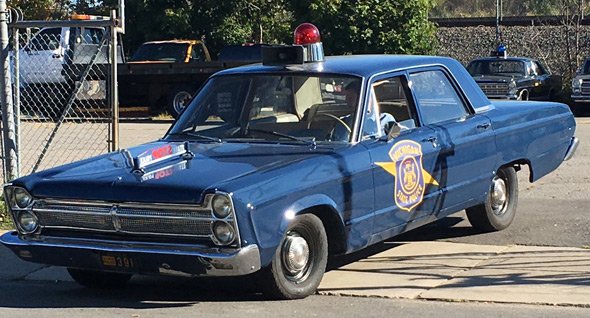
column 512, row 58
column 193, row 42
column 355, row 65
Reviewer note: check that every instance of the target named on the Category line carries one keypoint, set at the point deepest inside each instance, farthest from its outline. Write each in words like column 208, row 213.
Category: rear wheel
column 299, row 262
column 98, row 279
column 178, row 99
column 499, row 208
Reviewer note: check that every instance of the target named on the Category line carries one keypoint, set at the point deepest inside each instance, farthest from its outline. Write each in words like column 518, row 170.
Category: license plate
column 119, row 262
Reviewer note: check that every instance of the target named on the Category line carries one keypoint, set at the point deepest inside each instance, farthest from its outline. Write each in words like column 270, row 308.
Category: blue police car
column 273, row 168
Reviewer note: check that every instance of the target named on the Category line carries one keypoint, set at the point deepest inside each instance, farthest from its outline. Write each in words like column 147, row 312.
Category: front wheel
column 499, row 208
column 98, row 279
column 299, row 262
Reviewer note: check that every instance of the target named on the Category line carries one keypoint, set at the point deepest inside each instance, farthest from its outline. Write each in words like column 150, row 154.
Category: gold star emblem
column 390, row 167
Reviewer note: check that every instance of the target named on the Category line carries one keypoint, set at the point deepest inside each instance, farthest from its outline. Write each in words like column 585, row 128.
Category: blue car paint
column 270, row 183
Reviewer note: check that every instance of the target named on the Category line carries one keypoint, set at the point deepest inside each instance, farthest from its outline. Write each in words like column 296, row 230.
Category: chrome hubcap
column 498, row 196
column 295, row 255
column 180, row 101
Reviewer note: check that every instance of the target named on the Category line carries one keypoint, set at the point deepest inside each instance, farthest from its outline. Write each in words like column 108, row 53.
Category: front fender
column 270, row 222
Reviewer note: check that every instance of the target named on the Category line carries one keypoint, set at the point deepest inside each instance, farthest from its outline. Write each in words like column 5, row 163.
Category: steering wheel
column 338, row 120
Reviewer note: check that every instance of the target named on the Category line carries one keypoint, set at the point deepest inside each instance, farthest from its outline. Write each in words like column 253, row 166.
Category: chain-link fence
column 61, row 79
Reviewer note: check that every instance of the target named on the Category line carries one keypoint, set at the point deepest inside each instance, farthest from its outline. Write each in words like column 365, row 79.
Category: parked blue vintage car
column 273, row 168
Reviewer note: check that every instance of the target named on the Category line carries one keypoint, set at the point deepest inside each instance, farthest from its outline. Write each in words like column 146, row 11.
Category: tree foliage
column 41, row 9
column 371, row 26
column 361, row 26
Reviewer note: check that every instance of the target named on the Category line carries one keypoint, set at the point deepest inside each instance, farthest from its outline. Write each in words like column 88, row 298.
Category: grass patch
column 163, row 116
column 5, row 220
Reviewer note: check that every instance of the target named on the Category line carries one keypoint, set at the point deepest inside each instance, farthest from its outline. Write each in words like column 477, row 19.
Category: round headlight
column 221, row 206
column 27, row 221
column 22, row 198
column 224, row 233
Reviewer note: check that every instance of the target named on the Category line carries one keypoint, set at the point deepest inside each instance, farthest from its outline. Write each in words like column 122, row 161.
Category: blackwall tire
column 290, row 275
column 98, row 279
column 497, row 213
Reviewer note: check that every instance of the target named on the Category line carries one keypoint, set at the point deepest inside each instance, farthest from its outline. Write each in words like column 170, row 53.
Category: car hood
column 174, row 180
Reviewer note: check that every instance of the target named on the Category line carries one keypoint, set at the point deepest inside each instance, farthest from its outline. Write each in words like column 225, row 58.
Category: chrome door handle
column 484, row 126
column 432, row 140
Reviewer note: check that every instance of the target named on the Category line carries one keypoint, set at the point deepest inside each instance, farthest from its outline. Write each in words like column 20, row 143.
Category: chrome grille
column 150, row 219
column 585, row 89
column 494, row 89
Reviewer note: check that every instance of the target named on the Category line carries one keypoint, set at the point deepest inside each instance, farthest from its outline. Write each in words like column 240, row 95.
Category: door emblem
column 410, row 176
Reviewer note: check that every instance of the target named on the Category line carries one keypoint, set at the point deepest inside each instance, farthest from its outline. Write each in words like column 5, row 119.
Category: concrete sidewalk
column 429, row 270
column 466, row 272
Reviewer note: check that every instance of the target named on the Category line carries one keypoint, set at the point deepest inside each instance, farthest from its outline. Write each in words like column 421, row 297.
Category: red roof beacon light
column 308, row 36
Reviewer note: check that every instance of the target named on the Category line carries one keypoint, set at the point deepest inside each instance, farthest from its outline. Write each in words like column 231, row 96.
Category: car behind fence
column 61, row 104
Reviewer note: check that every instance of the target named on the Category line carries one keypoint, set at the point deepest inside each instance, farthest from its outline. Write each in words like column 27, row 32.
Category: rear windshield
column 497, row 67
column 168, row 52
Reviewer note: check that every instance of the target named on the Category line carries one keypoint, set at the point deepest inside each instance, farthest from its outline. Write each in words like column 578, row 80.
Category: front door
column 406, row 187
column 42, row 58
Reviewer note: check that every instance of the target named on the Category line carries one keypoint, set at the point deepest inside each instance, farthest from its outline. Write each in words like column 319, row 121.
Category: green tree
column 41, row 9
column 371, row 26
column 241, row 21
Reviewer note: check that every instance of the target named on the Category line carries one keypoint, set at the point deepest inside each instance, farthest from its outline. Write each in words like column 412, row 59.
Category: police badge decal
column 410, row 176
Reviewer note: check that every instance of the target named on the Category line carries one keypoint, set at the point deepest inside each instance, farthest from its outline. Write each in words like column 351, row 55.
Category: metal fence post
column 114, row 90
column 8, row 124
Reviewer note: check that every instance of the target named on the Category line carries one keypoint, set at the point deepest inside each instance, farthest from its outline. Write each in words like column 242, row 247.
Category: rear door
column 467, row 144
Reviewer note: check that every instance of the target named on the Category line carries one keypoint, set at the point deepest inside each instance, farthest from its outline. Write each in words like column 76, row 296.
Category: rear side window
column 436, row 97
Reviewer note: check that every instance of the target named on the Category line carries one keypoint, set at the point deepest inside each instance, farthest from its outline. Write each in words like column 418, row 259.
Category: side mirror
column 53, row 45
column 392, row 130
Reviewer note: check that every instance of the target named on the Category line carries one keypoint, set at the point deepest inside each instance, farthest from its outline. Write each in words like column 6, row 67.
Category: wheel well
column 517, row 164
column 333, row 226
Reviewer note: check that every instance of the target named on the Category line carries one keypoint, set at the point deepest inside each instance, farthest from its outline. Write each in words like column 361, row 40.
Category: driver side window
column 388, row 106
column 45, row 40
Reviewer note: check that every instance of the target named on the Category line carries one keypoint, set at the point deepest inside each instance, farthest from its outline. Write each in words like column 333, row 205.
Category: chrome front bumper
column 571, row 150
column 581, row 98
column 134, row 257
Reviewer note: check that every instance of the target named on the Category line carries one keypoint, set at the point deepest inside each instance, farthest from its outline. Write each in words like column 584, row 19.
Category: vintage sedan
column 581, row 87
column 515, row 78
column 274, row 168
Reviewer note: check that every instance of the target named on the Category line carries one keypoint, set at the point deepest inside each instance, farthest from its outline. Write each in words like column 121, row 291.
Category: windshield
column 497, row 67
column 272, row 108
column 169, row 52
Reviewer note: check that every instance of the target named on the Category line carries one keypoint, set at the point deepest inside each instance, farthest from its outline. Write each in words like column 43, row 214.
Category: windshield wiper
column 195, row 135
column 310, row 142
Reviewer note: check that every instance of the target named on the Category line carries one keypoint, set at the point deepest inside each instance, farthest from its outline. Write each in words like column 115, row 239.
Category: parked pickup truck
column 273, row 168
column 164, row 75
